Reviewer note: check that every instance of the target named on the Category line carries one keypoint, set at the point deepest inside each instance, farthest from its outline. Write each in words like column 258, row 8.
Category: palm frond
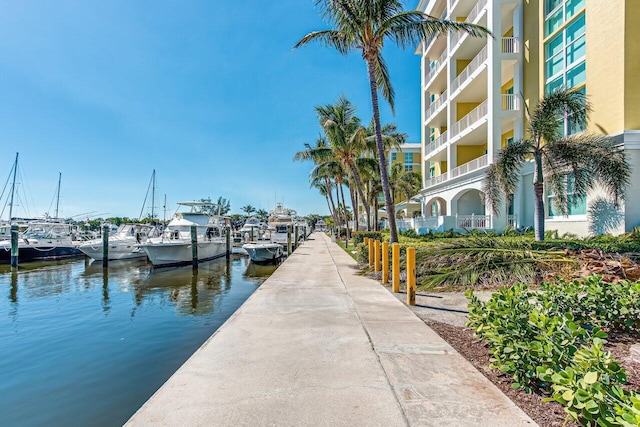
column 502, row 177
column 329, row 38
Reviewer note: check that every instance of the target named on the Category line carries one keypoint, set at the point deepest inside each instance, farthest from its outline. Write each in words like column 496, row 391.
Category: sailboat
column 43, row 239
column 125, row 242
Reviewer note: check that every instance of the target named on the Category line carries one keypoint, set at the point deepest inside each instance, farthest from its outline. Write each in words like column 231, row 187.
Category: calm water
column 79, row 347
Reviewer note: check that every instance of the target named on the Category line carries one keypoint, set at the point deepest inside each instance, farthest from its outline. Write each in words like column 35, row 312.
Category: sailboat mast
column 153, row 195
column 13, row 186
column 58, row 193
column 164, row 217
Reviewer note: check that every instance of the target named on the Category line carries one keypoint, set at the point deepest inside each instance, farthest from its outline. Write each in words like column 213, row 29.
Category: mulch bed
column 544, row 413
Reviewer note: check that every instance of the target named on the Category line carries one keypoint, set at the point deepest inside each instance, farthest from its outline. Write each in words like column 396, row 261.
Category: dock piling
column 228, row 235
column 194, row 247
column 289, row 240
column 14, row 246
column 105, row 246
column 395, row 268
column 297, row 236
column 411, row 276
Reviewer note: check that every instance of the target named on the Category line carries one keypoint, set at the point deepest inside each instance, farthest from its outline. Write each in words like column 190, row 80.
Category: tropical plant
column 403, row 183
column 341, row 126
column 223, row 206
column 364, row 26
column 578, row 161
column 262, row 215
column 248, row 210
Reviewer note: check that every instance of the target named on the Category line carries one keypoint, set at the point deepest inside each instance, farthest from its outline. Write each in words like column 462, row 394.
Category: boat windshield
column 46, row 232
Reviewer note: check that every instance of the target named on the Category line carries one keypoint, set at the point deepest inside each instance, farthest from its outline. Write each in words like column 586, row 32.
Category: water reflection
column 99, row 342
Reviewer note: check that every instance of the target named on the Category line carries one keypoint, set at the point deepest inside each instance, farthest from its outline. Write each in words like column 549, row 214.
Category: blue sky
column 210, row 94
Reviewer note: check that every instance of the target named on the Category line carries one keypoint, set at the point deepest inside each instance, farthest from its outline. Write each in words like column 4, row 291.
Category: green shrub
column 552, row 340
column 358, row 236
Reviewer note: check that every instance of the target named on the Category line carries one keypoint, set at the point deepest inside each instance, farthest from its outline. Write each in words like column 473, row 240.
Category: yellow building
column 473, row 91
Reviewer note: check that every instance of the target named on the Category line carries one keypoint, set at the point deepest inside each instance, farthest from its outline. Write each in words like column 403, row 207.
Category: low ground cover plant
column 550, row 340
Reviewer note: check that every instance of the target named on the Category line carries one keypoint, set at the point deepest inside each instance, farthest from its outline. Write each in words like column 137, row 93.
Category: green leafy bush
column 358, row 236
column 551, row 340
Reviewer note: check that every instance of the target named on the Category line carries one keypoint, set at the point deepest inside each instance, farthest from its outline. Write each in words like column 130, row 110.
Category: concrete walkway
column 318, row 345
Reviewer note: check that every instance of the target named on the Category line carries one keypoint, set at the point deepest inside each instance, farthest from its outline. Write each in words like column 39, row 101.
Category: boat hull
column 37, row 253
column 264, row 252
column 115, row 252
column 167, row 254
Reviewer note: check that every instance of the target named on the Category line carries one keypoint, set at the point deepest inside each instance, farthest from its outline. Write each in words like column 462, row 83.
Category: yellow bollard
column 411, row 276
column 366, row 241
column 385, row 262
column 395, row 267
column 376, row 255
column 370, row 252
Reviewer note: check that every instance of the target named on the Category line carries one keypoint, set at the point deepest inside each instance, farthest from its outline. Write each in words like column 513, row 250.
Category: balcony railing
column 512, row 221
column 435, row 105
column 474, row 115
column 475, row 12
column 429, row 222
column 510, row 102
column 510, row 45
column 436, row 180
column 474, row 164
column 475, row 63
column 436, row 67
column 437, row 143
column 404, row 224
column 473, row 221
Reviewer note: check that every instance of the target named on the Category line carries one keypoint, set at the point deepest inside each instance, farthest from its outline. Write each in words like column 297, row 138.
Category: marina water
column 83, row 347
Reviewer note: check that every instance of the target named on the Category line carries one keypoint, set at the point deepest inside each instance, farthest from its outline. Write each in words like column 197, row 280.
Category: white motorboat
column 280, row 219
column 43, row 241
column 264, row 252
column 173, row 247
column 252, row 230
column 124, row 243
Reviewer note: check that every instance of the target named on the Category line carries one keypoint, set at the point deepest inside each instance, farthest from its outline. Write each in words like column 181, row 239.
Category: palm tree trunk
column 356, row 178
column 332, row 208
column 354, row 203
column 384, row 177
column 346, row 214
column 538, row 190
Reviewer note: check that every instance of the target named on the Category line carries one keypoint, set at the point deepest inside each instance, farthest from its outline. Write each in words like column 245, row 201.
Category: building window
column 565, row 55
column 434, row 208
column 509, row 141
column 394, row 156
column 408, row 167
column 557, row 12
column 432, row 172
column 577, row 202
column 408, row 158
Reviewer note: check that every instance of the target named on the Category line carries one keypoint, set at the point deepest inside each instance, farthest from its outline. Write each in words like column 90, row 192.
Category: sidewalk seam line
column 366, row 331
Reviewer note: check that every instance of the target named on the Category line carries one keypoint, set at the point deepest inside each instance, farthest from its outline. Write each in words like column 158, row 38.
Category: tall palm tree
column 341, row 126
column 580, row 161
column 364, row 26
column 248, row 209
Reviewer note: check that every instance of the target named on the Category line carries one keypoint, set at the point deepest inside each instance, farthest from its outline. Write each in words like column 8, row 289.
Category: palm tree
column 580, row 161
column 341, row 127
column 364, row 26
column 402, row 182
column 248, row 209
column 223, row 206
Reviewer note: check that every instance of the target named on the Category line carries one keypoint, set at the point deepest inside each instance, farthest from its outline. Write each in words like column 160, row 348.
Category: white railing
column 437, row 65
column 510, row 45
column 473, row 221
column 512, row 221
column 474, row 164
column 430, row 40
column 510, row 102
column 475, row 12
column 474, row 115
column 404, row 223
column 436, row 180
column 437, row 143
column 430, row 222
column 475, row 63
column 435, row 105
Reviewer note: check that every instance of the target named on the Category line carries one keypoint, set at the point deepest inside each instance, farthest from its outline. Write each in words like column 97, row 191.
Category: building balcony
column 473, row 222
column 471, row 19
column 510, row 45
column 435, row 68
column 466, row 74
column 471, row 120
column 435, row 107
column 434, row 146
column 436, row 180
column 471, row 166
column 510, row 102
